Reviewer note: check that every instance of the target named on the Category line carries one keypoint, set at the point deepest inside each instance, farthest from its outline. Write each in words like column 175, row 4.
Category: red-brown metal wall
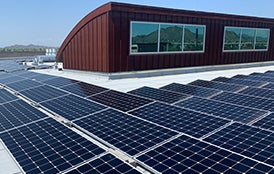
column 101, row 41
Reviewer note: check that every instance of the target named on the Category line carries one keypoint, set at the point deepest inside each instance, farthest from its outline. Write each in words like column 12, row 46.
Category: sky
column 48, row 22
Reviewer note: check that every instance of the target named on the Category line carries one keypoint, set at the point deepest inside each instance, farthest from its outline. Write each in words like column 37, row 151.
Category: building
column 118, row 37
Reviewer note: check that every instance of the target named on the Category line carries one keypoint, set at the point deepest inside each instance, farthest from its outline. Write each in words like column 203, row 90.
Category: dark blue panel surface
column 246, row 140
column 266, row 123
column 72, row 107
column 119, row 100
column 217, row 85
column 42, row 93
column 246, row 100
column 49, row 147
column 18, row 113
column 158, row 94
column 42, row 77
column 189, row 122
column 59, row 81
column 107, row 164
column 10, row 79
column 23, row 85
column 259, row 92
column 6, row 96
column 83, row 89
column 222, row 109
column 130, row 134
column 190, row 89
column 188, row 155
column 239, row 81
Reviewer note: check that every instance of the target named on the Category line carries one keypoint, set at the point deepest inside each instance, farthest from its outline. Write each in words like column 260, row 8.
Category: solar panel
column 222, row 109
column 107, row 164
column 6, row 96
column 42, row 93
column 246, row 100
column 71, row 106
column 10, row 79
column 188, row 155
column 42, row 77
column 246, row 140
column 259, row 92
column 190, row 89
column 266, row 122
column 269, row 86
column 158, row 94
column 59, row 81
column 127, row 133
column 182, row 120
column 218, row 85
column 239, row 81
column 25, row 74
column 119, row 100
column 47, row 146
column 255, row 78
column 23, row 85
column 83, row 89
column 18, row 113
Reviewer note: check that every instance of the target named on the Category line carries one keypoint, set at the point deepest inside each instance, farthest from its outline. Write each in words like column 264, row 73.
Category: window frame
column 159, row 39
column 240, row 39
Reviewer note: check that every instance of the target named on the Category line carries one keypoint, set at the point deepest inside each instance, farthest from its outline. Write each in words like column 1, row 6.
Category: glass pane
column 247, row 39
column 194, row 38
column 171, row 38
column 262, row 36
column 232, row 38
column 144, row 37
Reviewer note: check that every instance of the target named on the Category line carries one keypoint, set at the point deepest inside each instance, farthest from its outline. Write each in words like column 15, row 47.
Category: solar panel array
column 201, row 127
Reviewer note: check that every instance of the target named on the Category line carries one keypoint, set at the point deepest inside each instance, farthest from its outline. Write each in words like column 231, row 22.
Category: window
column 166, row 38
column 245, row 39
column 193, row 38
column 171, row 37
column 261, row 41
column 144, row 37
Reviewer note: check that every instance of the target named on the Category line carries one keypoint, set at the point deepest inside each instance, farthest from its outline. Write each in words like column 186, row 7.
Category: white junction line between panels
column 259, row 118
column 243, row 88
column 216, row 130
column 213, row 95
column 174, row 104
column 150, row 103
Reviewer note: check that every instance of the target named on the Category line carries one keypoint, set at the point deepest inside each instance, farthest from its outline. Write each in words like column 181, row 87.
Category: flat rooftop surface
column 128, row 84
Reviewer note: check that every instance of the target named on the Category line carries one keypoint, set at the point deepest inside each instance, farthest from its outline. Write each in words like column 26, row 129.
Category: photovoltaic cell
column 158, row 94
column 188, row 155
column 6, row 96
column 269, row 86
column 42, row 77
column 42, row 93
column 266, row 123
column 83, row 89
column 59, row 81
column 259, row 92
column 239, row 81
column 221, row 109
column 123, row 131
column 23, row 85
column 18, row 113
column 190, row 89
column 217, row 85
column 72, row 107
column 246, row 140
column 182, row 120
column 107, row 164
column 119, row 100
column 246, row 100
column 49, row 147
column 25, row 74
column 10, row 79
column 254, row 78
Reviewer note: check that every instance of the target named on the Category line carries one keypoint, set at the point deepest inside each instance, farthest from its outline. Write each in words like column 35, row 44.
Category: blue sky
column 48, row 22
